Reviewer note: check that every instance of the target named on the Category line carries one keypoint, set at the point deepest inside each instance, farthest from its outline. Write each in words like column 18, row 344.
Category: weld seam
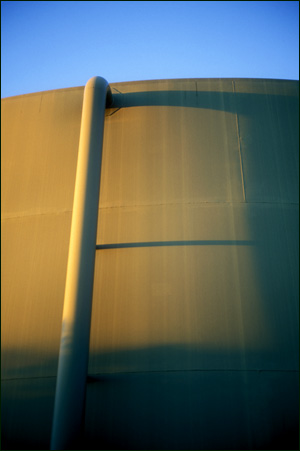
column 239, row 148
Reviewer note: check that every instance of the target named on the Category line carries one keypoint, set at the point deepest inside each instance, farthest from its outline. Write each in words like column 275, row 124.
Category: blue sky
column 57, row 44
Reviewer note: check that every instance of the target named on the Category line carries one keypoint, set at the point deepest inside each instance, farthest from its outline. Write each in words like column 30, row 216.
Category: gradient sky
column 57, row 44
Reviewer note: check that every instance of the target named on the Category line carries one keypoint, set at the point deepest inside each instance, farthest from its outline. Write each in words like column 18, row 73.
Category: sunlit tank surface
column 195, row 320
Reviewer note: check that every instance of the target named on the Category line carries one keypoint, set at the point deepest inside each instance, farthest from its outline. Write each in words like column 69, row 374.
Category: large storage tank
column 195, row 322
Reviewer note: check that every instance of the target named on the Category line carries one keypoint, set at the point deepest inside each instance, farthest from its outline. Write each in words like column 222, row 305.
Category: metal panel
column 40, row 136
column 194, row 336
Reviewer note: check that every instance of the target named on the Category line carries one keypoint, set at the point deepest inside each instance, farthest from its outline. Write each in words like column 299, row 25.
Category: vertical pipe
column 74, row 346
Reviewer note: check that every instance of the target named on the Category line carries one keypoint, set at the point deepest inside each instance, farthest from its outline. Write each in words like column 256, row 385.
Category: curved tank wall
column 195, row 322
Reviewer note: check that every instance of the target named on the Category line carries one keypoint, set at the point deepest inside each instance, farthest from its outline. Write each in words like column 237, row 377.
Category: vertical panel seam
column 239, row 147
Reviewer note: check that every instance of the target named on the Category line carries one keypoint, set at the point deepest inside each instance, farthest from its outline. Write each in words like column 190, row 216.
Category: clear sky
column 58, row 44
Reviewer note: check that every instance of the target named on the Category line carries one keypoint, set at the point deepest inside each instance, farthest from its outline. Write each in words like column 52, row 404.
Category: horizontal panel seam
column 221, row 370
column 230, row 203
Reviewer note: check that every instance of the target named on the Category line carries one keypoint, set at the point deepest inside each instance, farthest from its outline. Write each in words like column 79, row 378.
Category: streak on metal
column 74, row 347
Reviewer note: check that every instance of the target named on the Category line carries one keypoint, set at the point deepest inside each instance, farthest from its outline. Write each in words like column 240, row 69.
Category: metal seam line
column 175, row 243
column 70, row 392
column 239, row 147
